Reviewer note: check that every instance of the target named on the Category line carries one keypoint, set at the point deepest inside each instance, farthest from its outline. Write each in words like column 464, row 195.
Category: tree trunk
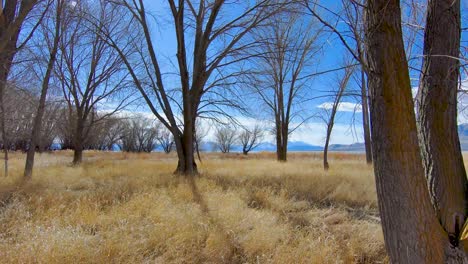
column 4, row 130
column 437, row 115
column 78, row 154
column 78, row 141
column 326, row 166
column 185, row 150
column 412, row 232
column 4, row 71
column 365, row 117
column 37, row 126
column 282, row 146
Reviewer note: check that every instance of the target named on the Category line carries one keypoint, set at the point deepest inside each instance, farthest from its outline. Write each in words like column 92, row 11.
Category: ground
column 130, row 208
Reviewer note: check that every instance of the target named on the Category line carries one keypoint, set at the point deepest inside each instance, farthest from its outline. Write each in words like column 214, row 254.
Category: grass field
column 130, row 208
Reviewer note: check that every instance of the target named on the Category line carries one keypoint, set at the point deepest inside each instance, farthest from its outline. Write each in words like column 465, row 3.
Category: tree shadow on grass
column 236, row 252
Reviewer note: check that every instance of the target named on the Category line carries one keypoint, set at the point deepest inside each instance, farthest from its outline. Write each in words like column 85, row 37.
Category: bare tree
column 281, row 76
column 225, row 137
column 17, row 119
column 413, row 232
column 201, row 131
column 330, row 112
column 50, row 28
column 13, row 14
column 90, row 72
column 351, row 34
column 140, row 134
column 49, row 128
column 105, row 134
column 113, row 132
column 250, row 139
column 166, row 141
column 209, row 41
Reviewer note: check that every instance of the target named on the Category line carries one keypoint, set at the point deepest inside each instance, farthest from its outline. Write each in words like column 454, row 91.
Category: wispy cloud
column 342, row 107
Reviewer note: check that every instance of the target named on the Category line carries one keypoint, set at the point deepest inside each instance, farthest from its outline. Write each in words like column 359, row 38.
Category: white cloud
column 342, row 107
column 314, row 134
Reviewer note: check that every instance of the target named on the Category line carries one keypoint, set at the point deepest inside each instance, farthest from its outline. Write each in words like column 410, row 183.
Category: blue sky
column 348, row 128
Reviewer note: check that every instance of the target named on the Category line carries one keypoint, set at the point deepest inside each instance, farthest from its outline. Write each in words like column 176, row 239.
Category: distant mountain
column 265, row 146
column 302, row 146
column 355, row 147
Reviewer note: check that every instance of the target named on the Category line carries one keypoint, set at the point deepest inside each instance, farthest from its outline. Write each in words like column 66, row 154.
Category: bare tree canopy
column 250, row 139
column 13, row 15
column 89, row 70
column 280, row 79
column 329, row 114
column 166, row 141
column 209, row 42
column 225, row 137
column 140, row 134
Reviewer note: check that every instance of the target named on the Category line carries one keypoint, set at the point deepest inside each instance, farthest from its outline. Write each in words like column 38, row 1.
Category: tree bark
column 281, row 143
column 185, row 150
column 365, row 117
column 412, row 232
column 78, row 154
column 78, row 141
column 437, row 116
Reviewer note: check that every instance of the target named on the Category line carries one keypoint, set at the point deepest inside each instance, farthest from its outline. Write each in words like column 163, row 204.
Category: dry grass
column 127, row 208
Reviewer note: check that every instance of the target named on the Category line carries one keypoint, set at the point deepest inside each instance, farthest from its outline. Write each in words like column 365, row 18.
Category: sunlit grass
column 130, row 208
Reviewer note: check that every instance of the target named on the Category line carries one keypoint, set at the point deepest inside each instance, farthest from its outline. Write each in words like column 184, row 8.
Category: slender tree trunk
column 437, row 115
column 37, row 126
column 4, row 70
column 411, row 230
column 35, row 135
column 365, row 117
column 4, row 139
column 326, row 166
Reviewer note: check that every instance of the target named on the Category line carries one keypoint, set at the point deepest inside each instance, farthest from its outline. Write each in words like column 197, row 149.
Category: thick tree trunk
column 411, row 230
column 78, row 155
column 185, row 151
column 437, row 115
column 365, row 118
column 281, row 144
column 78, row 142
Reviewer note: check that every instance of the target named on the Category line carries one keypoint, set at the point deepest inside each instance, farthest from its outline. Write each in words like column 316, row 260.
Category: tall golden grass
column 130, row 208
